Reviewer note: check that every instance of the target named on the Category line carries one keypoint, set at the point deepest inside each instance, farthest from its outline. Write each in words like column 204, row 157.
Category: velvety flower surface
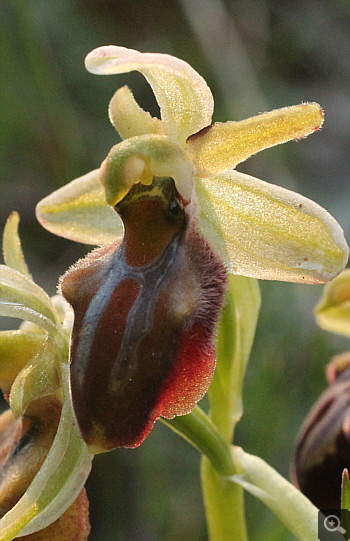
column 43, row 460
column 173, row 215
column 323, row 445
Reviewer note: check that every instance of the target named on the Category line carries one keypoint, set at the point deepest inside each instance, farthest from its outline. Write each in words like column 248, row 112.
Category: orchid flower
column 44, row 461
column 173, row 215
column 322, row 447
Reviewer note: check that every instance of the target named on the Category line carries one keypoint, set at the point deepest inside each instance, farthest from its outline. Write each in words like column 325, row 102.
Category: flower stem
column 199, row 430
column 224, row 505
column 223, row 499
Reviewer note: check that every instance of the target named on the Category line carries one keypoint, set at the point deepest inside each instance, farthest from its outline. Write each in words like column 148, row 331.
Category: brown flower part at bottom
column 323, row 445
column 24, row 445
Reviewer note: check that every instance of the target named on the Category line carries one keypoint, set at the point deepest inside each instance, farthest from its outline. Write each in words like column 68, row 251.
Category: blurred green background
column 256, row 55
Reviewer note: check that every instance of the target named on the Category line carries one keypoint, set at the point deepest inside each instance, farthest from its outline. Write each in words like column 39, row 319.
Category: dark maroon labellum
column 145, row 312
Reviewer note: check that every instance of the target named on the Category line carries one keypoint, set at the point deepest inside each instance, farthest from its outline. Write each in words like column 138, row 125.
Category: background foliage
column 256, row 55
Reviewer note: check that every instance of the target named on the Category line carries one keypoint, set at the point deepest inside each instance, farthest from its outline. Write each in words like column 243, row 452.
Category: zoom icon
column 331, row 524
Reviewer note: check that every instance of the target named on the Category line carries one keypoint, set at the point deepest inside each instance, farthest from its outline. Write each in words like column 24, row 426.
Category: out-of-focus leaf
column 236, row 331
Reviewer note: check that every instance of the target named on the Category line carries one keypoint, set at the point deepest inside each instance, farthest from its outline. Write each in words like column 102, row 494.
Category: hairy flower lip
column 141, row 340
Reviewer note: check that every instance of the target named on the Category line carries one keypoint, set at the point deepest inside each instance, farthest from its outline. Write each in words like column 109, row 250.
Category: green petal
column 11, row 245
column 333, row 311
column 58, row 482
column 78, row 211
column 20, row 297
column 185, row 100
column 139, row 159
column 17, row 348
column 224, row 145
column 129, row 119
column 268, row 232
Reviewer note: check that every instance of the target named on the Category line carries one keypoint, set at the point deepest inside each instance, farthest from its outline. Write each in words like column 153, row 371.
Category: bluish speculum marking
column 142, row 344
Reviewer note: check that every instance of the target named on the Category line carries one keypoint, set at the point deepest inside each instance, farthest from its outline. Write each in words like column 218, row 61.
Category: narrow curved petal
column 58, row 482
column 333, row 311
column 78, row 211
column 185, row 100
column 20, row 297
column 269, row 232
column 224, row 145
column 129, row 119
column 11, row 245
column 139, row 159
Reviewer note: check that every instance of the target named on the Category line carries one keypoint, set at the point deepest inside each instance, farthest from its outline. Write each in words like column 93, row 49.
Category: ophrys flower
column 146, row 307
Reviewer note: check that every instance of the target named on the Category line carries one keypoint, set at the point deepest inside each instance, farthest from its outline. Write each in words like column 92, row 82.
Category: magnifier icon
column 332, row 524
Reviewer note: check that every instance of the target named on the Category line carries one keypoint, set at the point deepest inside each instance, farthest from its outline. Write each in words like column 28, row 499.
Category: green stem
column 224, row 505
column 223, row 499
column 200, row 431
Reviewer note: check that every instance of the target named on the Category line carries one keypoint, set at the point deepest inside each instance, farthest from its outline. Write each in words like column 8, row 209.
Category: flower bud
column 24, row 445
column 333, row 311
column 323, row 444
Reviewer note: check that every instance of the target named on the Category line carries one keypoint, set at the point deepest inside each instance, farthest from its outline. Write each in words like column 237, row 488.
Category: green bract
column 34, row 364
column 258, row 229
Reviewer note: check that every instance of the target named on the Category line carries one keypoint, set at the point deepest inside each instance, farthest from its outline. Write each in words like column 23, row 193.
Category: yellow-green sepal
column 78, row 211
column 185, row 100
column 300, row 516
column 267, row 232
